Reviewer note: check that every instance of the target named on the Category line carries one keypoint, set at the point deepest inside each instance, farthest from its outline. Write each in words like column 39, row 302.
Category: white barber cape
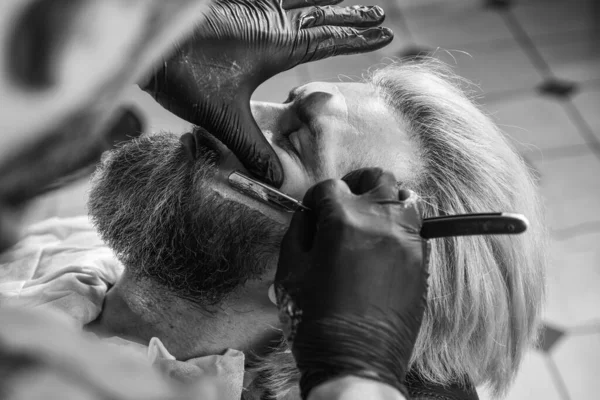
column 62, row 267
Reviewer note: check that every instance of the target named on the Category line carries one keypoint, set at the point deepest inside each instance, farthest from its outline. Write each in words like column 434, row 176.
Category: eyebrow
column 293, row 93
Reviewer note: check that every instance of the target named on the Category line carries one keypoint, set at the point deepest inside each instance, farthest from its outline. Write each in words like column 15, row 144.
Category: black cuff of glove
column 365, row 347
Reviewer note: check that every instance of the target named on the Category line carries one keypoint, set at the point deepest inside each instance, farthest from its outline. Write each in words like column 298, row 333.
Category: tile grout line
column 558, row 381
column 562, row 152
column 577, row 230
column 582, row 126
column 584, row 330
column 531, row 50
column 508, row 95
column 527, row 44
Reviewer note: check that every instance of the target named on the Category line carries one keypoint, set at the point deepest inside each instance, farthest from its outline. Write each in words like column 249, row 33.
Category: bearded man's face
column 156, row 208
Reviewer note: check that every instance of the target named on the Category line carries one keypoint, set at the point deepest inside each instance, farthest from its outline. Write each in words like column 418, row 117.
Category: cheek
column 355, row 152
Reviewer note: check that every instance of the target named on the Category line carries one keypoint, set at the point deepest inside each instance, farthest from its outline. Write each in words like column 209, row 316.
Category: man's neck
column 139, row 311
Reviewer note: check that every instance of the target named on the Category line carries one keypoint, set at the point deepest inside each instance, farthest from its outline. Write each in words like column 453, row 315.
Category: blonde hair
column 485, row 292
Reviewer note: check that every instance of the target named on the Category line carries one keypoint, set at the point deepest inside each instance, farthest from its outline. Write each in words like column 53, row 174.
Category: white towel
column 62, row 267
column 60, row 264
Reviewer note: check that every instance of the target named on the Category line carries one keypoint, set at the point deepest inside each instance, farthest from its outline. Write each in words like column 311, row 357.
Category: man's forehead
column 346, row 88
column 365, row 109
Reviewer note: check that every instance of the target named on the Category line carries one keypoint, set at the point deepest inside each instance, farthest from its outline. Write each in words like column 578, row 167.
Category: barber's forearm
column 354, row 388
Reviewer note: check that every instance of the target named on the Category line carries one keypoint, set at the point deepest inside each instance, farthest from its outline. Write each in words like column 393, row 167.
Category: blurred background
column 537, row 64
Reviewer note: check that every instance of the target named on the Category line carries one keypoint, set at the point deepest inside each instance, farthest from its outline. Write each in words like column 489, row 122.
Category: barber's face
column 325, row 130
column 322, row 131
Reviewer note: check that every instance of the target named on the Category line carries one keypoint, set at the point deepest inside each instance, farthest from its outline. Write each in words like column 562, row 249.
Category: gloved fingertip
column 377, row 11
column 362, row 180
column 368, row 39
column 323, row 192
column 386, row 33
column 377, row 35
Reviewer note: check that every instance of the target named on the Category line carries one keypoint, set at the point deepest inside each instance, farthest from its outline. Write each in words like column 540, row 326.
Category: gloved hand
column 351, row 282
column 242, row 43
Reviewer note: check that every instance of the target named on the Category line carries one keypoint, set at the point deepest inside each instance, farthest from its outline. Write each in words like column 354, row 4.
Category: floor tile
column 578, row 361
column 534, row 381
column 588, row 104
column 576, row 56
column 553, row 16
column 450, row 28
column 558, row 88
column 550, row 336
column 573, row 279
column 277, row 88
column 498, row 67
column 535, row 123
column 571, row 189
column 158, row 119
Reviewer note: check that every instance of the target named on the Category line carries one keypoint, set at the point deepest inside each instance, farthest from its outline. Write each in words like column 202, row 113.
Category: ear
column 64, row 66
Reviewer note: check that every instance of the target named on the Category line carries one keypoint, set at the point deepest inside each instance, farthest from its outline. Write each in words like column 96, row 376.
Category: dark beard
column 153, row 206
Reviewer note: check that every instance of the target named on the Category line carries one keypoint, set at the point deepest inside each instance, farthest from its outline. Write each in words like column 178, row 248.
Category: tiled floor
column 511, row 52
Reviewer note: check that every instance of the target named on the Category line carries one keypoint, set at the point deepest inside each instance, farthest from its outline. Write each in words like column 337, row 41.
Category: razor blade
column 265, row 193
column 436, row 227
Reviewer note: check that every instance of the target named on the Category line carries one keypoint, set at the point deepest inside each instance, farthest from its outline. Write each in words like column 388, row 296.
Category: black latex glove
column 351, row 282
column 241, row 44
